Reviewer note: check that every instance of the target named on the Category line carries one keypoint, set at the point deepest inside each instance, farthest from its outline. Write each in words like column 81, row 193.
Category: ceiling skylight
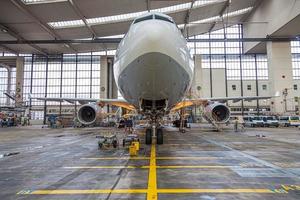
column 114, row 36
column 217, row 18
column 66, row 24
column 114, row 18
column 41, row 1
column 131, row 16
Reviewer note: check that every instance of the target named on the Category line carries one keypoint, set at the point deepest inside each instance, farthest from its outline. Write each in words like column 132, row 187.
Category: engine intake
column 87, row 114
column 217, row 112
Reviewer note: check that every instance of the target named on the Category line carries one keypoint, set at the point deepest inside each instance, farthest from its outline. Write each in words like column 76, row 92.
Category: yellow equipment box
column 132, row 150
column 137, row 145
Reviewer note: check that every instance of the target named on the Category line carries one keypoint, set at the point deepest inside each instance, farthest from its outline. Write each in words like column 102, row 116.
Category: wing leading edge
column 204, row 101
column 101, row 102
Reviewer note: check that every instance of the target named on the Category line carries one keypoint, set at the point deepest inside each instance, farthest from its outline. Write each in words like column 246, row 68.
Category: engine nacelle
column 88, row 113
column 217, row 112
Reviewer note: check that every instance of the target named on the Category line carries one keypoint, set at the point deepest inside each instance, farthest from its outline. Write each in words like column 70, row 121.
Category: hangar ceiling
column 86, row 19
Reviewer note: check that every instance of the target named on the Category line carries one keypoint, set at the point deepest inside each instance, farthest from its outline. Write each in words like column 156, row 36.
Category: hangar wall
column 223, row 67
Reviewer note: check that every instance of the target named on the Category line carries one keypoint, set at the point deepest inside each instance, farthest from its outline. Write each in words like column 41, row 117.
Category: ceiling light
column 42, row 1
column 131, row 16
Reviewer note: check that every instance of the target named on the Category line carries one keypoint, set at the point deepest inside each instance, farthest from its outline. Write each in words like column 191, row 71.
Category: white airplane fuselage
column 153, row 64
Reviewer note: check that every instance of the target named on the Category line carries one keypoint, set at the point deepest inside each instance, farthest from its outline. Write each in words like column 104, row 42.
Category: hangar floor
column 199, row 164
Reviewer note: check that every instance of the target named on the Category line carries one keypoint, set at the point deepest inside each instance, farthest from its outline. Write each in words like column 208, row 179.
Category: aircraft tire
column 148, row 136
column 159, row 136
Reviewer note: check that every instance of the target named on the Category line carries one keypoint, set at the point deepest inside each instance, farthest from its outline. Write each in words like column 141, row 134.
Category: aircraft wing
column 101, row 102
column 236, row 99
column 204, row 101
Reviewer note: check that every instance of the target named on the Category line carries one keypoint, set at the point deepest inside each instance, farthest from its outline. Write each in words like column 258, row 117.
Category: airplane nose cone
column 154, row 35
column 154, row 32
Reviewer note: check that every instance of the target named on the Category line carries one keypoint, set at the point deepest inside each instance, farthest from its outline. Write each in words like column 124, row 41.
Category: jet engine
column 88, row 113
column 217, row 112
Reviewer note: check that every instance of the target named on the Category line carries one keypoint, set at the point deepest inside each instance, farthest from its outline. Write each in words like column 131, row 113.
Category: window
column 264, row 87
column 3, row 85
column 295, row 87
column 248, row 87
column 159, row 17
column 233, row 87
column 149, row 17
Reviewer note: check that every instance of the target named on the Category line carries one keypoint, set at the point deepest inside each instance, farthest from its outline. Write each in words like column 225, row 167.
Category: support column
column 281, row 76
column 197, row 80
column 104, row 79
column 114, row 93
column 113, row 90
column 8, row 88
column 19, row 81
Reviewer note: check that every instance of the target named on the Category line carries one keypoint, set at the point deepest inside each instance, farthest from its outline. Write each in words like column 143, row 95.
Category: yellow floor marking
column 152, row 182
column 151, row 193
column 156, row 166
column 95, row 191
column 174, row 191
column 148, row 158
column 118, row 158
column 193, row 167
column 186, row 158
column 108, row 167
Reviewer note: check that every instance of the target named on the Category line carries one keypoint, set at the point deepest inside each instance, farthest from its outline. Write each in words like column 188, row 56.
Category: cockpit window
column 143, row 19
column 159, row 17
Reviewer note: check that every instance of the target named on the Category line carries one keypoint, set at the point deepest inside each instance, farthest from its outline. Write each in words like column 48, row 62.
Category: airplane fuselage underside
column 154, row 82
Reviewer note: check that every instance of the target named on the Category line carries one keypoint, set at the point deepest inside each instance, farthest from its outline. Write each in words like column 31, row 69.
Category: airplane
column 154, row 70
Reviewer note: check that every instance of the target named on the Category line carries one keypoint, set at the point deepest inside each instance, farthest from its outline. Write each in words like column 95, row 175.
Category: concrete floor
column 199, row 164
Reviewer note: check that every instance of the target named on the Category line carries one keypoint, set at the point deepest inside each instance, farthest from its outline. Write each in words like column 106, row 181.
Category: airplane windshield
column 149, row 17
column 159, row 17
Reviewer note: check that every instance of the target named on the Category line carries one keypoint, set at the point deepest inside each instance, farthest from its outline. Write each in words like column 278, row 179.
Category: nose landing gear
column 148, row 136
column 154, row 133
column 159, row 136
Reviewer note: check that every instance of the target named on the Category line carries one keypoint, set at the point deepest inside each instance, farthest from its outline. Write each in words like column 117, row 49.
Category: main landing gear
column 150, row 133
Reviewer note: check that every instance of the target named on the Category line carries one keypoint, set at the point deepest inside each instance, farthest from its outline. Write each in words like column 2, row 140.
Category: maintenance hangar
column 150, row 99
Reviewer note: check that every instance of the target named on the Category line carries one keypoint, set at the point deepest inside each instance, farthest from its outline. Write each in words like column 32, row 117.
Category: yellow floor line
column 175, row 191
column 156, row 166
column 152, row 182
column 148, row 158
column 107, row 167
column 186, row 158
column 93, row 191
column 151, row 192
column 118, row 158
column 193, row 167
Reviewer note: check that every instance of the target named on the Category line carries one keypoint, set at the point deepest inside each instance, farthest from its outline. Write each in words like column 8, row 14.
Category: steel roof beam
column 187, row 17
column 9, row 49
column 82, row 17
column 20, row 38
column 148, row 5
column 21, row 6
column 221, row 13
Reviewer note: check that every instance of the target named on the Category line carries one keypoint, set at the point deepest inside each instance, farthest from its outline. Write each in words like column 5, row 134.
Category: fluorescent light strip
column 217, row 18
column 130, row 16
column 166, row 10
column 114, row 36
column 66, row 24
column 41, row 1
